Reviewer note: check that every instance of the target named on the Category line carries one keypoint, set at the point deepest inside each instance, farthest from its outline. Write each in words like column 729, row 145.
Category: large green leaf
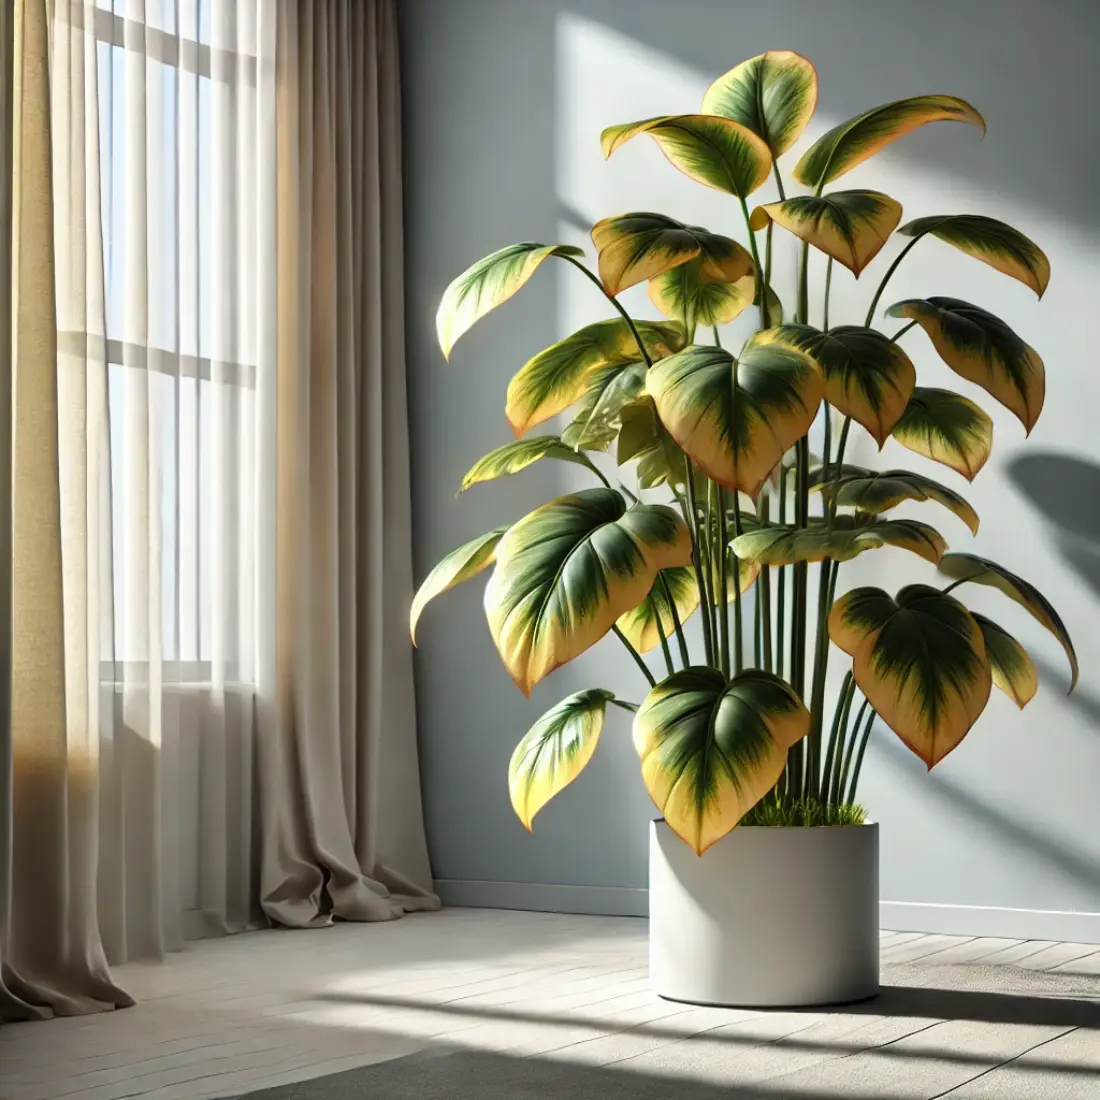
column 487, row 283
column 715, row 151
column 636, row 247
column 736, row 419
column 850, row 226
column 599, row 417
column 970, row 567
column 984, row 350
column 640, row 624
column 565, row 573
column 991, row 241
column 560, row 375
column 555, row 750
column 459, row 565
column 876, row 492
column 774, row 95
column 848, row 537
column 919, row 659
column 947, row 428
column 1013, row 670
column 867, row 376
column 712, row 748
column 518, row 455
column 852, row 142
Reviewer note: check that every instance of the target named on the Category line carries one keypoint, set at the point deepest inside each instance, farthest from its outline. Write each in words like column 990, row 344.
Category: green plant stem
column 954, row 585
column 676, row 624
column 828, row 289
column 803, row 314
column 635, row 654
column 738, row 638
column 840, row 723
column 692, row 519
column 596, row 470
column 764, row 598
column 901, row 332
column 850, row 750
column 721, row 581
column 781, row 593
column 717, row 341
column 765, row 305
column 872, row 715
column 712, row 570
column 885, row 279
column 759, row 292
column 778, row 182
column 664, row 646
column 615, row 302
column 757, row 628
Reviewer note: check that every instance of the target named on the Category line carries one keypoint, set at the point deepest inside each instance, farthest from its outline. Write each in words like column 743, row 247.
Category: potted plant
column 737, row 731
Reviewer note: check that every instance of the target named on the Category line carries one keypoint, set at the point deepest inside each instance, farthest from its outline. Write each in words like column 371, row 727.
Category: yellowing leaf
column 487, row 283
column 848, row 537
column 711, row 749
column 850, row 226
column 714, row 151
column 1013, row 670
column 947, row 428
column 640, row 624
column 555, row 750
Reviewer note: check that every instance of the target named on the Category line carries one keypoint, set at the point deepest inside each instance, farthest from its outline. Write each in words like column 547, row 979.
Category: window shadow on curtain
column 212, row 705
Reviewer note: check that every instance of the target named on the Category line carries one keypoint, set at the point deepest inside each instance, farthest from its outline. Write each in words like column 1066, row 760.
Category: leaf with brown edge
column 848, row 537
column 561, row 374
column 710, row 150
column 711, row 748
column 947, row 428
column 555, row 750
column 982, row 349
column 867, row 376
column 852, row 142
column 459, row 565
column 639, row 246
column 737, row 421
column 1013, row 670
column 565, row 573
column 640, row 624
column 849, row 226
column 969, row 567
column 878, row 491
column 774, row 95
column 920, row 660
column 486, row 284
column 991, row 241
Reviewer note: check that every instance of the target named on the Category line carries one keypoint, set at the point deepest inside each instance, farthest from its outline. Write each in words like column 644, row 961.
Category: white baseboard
column 980, row 920
column 900, row 916
column 541, row 897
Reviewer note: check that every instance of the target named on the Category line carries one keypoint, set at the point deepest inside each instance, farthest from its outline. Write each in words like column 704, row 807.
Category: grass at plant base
column 802, row 812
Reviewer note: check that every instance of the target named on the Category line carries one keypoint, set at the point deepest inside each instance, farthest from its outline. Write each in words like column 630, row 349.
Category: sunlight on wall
column 605, row 77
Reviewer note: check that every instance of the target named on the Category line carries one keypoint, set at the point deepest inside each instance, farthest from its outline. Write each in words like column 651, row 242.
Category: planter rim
column 779, row 828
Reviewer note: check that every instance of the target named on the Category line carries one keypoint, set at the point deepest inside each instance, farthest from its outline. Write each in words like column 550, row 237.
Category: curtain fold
column 344, row 834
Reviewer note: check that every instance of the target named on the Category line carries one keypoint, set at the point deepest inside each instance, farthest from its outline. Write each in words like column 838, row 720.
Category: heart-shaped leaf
column 970, row 567
column 848, row 537
column 991, row 241
column 565, row 573
column 737, row 418
column 850, row 226
column 984, row 350
column 560, row 375
column 867, row 376
column 459, row 565
column 1013, row 670
column 774, row 95
column 852, row 142
column 711, row 749
column 947, row 428
column 714, row 151
column 636, row 247
column 487, row 283
column 919, row 659
column 877, row 492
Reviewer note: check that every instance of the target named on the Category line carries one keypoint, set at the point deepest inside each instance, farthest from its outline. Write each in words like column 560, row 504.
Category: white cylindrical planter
column 765, row 917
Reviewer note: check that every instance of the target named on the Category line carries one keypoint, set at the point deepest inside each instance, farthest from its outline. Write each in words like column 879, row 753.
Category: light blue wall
column 504, row 103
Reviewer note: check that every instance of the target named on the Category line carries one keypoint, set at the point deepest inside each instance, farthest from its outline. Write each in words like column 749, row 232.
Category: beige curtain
column 343, row 828
column 53, row 959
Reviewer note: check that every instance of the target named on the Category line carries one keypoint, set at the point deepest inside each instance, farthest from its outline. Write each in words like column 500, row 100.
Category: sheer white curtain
column 163, row 120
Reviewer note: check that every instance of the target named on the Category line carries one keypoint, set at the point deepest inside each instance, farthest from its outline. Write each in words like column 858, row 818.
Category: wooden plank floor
column 230, row 1016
